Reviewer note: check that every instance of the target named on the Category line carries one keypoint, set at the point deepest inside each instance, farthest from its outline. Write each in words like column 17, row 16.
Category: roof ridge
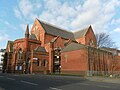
column 62, row 28
column 82, row 29
column 54, row 26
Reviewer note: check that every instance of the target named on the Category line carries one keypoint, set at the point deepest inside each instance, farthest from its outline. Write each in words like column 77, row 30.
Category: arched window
column 38, row 63
column 45, row 63
column 20, row 54
column 91, row 43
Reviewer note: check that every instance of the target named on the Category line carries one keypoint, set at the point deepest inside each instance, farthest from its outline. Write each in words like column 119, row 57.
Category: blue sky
column 103, row 15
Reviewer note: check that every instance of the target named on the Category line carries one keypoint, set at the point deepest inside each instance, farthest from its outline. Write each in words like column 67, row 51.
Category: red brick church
column 49, row 49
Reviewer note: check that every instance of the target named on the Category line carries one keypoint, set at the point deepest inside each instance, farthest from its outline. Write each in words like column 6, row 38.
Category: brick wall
column 41, row 64
column 99, row 61
column 74, row 62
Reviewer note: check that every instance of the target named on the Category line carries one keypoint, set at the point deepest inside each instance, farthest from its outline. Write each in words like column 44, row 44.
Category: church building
column 49, row 49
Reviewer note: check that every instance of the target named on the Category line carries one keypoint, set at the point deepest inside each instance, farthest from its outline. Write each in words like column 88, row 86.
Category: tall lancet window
column 91, row 43
column 20, row 54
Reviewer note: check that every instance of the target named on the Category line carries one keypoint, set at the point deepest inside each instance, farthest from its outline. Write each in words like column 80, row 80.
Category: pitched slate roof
column 40, row 49
column 10, row 44
column 53, row 30
column 32, row 36
column 72, row 47
column 80, row 33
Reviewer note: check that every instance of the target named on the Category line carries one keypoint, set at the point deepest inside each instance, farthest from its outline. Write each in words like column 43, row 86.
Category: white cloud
column 26, row 9
column 115, row 21
column 58, row 13
column 68, row 15
column 98, row 14
column 17, row 13
column 118, row 21
column 117, row 30
column 114, row 35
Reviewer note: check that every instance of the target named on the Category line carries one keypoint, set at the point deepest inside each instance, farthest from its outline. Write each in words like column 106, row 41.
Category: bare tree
column 104, row 40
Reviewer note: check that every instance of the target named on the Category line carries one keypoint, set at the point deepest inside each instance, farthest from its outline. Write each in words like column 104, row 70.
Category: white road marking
column 15, row 75
column 84, row 84
column 54, row 88
column 10, row 78
column 1, row 76
column 29, row 82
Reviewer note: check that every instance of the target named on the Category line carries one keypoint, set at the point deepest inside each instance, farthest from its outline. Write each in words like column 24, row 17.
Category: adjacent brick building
column 2, row 51
column 85, row 60
column 50, row 49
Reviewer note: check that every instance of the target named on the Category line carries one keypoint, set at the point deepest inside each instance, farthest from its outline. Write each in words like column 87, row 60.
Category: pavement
column 104, row 79
column 52, row 82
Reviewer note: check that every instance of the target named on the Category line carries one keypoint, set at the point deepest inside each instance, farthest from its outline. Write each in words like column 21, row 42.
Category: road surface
column 51, row 82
